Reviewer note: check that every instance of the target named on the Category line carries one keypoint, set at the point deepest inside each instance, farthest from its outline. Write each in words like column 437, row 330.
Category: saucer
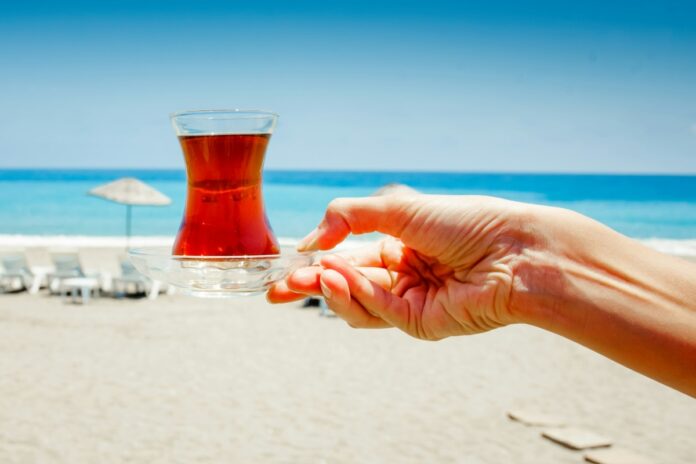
column 217, row 276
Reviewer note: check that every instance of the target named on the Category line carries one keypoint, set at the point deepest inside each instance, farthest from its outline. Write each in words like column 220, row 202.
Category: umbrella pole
column 128, row 226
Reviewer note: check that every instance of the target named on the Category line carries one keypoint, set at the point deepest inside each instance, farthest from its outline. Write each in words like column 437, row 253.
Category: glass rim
column 164, row 252
column 232, row 114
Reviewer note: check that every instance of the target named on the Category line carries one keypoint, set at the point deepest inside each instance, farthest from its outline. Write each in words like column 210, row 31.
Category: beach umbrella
column 130, row 192
column 394, row 188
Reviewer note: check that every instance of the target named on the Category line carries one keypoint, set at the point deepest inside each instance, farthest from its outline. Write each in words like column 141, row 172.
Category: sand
column 185, row 380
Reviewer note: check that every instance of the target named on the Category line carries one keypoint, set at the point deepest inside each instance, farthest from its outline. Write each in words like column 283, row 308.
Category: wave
column 94, row 241
column 677, row 247
column 680, row 247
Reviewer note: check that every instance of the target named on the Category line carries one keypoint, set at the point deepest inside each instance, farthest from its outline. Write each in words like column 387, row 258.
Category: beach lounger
column 67, row 266
column 84, row 287
column 132, row 282
column 15, row 274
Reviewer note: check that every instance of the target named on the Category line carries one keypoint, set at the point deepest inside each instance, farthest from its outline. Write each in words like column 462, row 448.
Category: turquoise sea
column 54, row 202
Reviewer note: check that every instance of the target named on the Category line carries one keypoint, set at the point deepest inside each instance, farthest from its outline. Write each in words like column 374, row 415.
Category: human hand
column 456, row 265
column 447, row 267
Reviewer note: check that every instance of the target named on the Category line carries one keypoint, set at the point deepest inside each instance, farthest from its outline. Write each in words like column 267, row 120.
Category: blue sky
column 447, row 86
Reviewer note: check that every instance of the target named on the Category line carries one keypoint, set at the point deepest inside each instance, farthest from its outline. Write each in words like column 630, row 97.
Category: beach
column 180, row 379
column 158, row 156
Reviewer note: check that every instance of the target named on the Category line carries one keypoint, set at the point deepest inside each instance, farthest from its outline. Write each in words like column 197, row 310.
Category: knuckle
column 337, row 205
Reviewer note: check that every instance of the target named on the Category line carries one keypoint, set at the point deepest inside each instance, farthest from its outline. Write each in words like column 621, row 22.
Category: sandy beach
column 486, row 136
column 186, row 380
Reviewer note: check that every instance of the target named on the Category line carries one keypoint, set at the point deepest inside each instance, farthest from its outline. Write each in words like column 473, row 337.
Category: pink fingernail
column 325, row 290
column 309, row 242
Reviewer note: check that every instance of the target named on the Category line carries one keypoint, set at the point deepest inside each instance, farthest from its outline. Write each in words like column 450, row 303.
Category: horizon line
column 372, row 171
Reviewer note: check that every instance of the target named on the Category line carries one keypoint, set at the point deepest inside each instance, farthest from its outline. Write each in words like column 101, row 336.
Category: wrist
column 557, row 272
column 611, row 294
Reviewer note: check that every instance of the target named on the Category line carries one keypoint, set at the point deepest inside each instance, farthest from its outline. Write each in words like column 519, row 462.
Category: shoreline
column 98, row 241
column 678, row 247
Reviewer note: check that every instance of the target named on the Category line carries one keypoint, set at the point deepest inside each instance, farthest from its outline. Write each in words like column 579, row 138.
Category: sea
column 55, row 202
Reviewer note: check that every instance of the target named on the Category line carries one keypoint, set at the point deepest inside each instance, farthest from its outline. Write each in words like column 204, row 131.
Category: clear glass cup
column 224, row 152
column 225, row 246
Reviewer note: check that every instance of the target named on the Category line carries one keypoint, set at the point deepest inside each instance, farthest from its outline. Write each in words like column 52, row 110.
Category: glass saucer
column 217, row 276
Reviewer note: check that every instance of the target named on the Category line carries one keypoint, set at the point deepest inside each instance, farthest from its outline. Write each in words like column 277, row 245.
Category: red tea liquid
column 224, row 213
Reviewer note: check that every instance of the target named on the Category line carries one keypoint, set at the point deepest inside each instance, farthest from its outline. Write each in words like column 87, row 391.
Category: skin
column 460, row 265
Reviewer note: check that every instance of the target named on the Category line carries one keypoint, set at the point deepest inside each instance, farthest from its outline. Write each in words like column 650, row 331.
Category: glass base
column 217, row 276
column 220, row 294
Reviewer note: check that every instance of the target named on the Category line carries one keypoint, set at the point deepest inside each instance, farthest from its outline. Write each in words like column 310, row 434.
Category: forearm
column 613, row 295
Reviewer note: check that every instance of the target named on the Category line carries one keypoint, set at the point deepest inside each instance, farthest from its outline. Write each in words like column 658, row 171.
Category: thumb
column 386, row 214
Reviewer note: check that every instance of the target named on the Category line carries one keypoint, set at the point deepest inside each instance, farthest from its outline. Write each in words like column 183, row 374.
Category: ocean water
column 55, row 202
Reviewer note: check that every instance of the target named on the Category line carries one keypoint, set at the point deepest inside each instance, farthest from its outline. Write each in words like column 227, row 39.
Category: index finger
column 343, row 216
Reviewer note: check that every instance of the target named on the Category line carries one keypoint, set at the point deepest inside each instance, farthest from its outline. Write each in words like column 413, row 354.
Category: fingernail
column 301, row 273
column 325, row 290
column 309, row 242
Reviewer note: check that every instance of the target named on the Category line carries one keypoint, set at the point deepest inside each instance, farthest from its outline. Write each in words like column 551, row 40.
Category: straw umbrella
column 394, row 189
column 130, row 192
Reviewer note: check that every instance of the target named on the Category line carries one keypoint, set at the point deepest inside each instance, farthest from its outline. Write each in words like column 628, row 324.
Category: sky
column 591, row 86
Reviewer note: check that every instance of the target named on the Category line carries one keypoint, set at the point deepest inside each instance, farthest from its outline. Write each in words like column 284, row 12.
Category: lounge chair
column 131, row 281
column 15, row 274
column 85, row 287
column 67, row 266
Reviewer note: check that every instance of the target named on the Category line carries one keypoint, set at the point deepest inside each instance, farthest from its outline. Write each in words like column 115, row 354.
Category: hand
column 461, row 265
column 447, row 267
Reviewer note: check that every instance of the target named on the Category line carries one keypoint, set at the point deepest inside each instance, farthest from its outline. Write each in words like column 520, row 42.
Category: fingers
column 280, row 293
column 373, row 298
column 386, row 214
column 338, row 297
column 299, row 284
column 369, row 255
column 305, row 282
column 356, row 286
column 334, row 288
column 370, row 259
column 385, row 253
